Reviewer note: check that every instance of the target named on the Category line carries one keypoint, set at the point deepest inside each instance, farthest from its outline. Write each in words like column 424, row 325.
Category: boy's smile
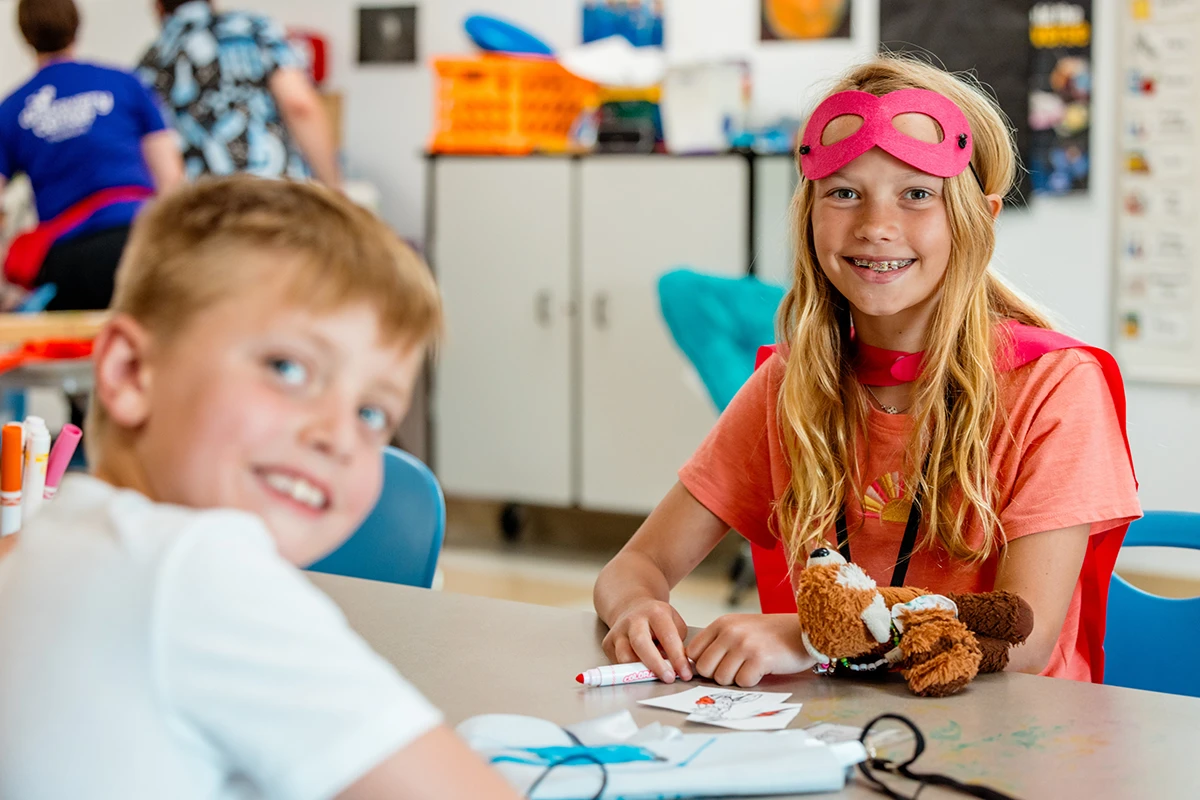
column 260, row 405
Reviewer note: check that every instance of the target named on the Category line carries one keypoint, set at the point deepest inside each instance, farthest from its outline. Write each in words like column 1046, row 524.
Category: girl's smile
column 879, row 269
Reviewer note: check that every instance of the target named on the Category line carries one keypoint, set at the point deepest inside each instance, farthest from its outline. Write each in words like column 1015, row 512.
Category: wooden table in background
column 1028, row 736
column 18, row 328
column 71, row 376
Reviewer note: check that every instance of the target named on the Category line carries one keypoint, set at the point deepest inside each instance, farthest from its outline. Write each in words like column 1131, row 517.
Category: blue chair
column 1151, row 641
column 400, row 540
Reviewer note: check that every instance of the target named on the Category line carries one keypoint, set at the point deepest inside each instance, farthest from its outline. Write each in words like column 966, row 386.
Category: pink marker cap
column 60, row 454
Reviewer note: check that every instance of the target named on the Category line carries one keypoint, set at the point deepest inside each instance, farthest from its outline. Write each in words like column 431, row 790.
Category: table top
column 1028, row 736
column 73, row 376
column 18, row 328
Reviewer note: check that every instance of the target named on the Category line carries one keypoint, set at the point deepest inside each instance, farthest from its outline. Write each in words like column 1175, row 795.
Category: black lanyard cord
column 922, row 778
column 907, row 544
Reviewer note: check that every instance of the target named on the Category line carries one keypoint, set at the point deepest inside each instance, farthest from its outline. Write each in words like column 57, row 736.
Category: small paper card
column 771, row 719
column 718, row 704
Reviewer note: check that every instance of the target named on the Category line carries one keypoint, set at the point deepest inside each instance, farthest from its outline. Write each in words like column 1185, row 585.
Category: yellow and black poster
column 1060, row 96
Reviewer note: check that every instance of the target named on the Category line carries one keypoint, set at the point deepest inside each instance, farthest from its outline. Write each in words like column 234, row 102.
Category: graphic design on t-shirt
column 214, row 72
column 58, row 119
column 885, row 499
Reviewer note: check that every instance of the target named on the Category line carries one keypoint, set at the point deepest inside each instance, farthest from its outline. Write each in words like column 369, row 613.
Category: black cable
column 922, row 778
column 587, row 757
column 575, row 740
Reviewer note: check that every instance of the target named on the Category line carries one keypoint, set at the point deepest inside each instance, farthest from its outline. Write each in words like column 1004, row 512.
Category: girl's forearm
column 629, row 577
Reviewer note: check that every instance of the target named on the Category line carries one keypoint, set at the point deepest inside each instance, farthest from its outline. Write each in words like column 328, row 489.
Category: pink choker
column 876, row 366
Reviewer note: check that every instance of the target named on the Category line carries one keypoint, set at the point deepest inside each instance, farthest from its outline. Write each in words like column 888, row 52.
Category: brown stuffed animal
column 939, row 643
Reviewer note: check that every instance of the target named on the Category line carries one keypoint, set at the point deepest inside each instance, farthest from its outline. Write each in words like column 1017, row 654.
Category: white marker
column 613, row 674
column 37, row 454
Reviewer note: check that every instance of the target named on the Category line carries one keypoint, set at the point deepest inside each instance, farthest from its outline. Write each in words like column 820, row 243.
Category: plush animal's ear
column 878, row 619
column 823, row 555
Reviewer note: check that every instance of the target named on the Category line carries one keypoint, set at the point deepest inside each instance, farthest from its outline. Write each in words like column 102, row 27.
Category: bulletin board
column 1157, row 230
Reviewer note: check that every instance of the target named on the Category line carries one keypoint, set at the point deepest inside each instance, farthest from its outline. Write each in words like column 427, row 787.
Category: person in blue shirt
column 78, row 129
column 238, row 94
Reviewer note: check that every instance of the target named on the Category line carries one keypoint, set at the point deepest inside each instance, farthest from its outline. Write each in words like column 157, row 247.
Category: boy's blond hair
column 183, row 258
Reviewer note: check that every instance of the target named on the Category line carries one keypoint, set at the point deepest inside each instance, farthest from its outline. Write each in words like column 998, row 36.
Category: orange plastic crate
column 500, row 104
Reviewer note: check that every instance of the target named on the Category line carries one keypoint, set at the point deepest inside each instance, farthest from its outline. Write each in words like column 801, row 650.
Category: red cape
column 1028, row 344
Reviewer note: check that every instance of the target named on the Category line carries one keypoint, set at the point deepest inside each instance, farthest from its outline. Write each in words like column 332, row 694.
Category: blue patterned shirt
column 212, row 72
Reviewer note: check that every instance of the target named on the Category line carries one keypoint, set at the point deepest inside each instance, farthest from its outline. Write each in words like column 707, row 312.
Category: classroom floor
column 567, row 583
column 557, row 558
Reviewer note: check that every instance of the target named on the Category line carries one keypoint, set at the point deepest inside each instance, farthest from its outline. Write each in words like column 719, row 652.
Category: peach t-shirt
column 1061, row 461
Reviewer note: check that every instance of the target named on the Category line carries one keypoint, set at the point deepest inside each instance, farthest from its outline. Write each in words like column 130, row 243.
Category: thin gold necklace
column 884, row 407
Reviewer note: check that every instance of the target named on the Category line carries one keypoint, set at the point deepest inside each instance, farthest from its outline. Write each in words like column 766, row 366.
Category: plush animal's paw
column 993, row 654
column 996, row 615
column 939, row 655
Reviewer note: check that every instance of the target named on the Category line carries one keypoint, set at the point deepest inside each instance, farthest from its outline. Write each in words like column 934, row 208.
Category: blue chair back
column 1150, row 642
column 400, row 540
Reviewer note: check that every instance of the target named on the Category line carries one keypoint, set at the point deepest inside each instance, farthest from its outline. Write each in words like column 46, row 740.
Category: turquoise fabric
column 719, row 323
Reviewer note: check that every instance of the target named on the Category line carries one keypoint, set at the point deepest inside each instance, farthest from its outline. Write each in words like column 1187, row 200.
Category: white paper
column 771, row 719
column 711, row 703
column 725, row 764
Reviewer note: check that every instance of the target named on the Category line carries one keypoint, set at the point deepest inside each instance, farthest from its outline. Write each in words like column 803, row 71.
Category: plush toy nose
column 820, row 552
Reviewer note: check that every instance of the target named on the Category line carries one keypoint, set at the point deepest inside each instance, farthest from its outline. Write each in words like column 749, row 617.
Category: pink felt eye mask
column 943, row 159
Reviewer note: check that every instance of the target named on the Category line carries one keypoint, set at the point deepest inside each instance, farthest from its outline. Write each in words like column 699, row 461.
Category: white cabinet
column 559, row 383
column 502, row 382
column 643, row 413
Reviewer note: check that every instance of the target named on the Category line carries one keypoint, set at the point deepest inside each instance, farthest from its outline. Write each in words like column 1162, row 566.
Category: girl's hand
column 644, row 632
column 742, row 648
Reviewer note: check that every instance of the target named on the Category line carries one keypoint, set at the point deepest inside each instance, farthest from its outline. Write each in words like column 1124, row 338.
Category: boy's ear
column 123, row 374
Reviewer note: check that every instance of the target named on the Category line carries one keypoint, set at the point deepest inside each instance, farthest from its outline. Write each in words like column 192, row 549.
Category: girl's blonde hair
column 956, row 407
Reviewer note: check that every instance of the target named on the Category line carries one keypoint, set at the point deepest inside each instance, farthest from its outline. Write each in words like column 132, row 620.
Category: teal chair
column 1150, row 641
column 399, row 542
column 718, row 324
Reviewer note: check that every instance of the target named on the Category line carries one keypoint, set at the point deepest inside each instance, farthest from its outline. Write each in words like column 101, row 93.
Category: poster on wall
column 639, row 21
column 387, row 35
column 1060, row 96
column 989, row 40
column 1157, row 291
column 784, row 20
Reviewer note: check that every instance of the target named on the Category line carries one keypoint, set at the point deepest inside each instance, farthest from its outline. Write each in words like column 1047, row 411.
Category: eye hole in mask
column 918, row 126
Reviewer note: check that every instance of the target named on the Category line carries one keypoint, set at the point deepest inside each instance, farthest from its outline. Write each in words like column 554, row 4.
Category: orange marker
column 11, row 458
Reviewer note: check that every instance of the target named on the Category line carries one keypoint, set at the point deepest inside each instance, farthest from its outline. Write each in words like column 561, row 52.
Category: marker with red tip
column 613, row 674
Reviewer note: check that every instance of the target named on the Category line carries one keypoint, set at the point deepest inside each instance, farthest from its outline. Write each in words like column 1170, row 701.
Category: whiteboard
column 1157, row 230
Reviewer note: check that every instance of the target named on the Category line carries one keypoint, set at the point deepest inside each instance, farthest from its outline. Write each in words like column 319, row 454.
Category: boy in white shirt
column 156, row 639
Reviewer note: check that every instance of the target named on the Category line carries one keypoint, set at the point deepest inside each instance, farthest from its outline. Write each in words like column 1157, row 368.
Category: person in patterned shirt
column 238, row 95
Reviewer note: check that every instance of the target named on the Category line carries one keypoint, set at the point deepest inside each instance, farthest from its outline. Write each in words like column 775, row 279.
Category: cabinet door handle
column 600, row 309
column 541, row 308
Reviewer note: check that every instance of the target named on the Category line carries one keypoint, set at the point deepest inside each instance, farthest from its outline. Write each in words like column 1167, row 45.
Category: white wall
column 1058, row 250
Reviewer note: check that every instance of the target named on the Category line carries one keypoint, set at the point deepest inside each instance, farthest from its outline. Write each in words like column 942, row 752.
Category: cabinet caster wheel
column 513, row 519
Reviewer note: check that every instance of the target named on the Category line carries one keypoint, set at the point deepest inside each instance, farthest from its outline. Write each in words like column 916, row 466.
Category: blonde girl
column 913, row 392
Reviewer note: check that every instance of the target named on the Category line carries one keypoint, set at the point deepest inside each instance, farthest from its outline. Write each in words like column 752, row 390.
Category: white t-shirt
column 154, row 651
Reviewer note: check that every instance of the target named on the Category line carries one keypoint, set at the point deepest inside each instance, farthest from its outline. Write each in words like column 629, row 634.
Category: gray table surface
column 73, row 376
column 1031, row 737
